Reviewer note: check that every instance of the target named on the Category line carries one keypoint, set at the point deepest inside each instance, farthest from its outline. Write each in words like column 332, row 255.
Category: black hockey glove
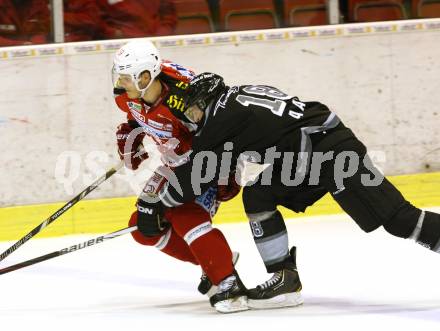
column 150, row 220
column 203, row 89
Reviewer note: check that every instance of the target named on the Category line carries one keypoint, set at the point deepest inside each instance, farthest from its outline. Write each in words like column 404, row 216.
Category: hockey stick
column 68, row 250
column 62, row 210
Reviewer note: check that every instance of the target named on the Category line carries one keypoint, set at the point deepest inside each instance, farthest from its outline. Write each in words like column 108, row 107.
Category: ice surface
column 351, row 281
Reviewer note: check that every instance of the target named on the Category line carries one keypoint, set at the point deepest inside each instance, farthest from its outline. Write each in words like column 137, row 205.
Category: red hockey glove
column 130, row 148
column 228, row 191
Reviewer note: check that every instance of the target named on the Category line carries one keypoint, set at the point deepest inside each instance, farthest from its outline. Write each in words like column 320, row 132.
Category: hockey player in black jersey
column 309, row 152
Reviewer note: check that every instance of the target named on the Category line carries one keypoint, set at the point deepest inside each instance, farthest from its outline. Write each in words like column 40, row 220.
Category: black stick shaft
column 67, row 250
column 62, row 210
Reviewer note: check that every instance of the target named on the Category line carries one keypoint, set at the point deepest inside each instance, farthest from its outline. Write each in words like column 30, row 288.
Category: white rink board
column 351, row 281
column 384, row 85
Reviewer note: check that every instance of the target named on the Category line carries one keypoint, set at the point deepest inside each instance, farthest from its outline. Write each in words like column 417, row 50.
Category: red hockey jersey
column 173, row 136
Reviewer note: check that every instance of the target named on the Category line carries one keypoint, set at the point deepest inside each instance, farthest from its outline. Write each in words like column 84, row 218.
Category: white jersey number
column 277, row 106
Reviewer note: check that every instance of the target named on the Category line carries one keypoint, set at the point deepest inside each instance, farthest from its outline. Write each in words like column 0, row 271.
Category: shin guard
column 270, row 236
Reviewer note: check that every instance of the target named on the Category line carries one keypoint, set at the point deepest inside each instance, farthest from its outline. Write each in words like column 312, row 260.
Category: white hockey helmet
column 134, row 58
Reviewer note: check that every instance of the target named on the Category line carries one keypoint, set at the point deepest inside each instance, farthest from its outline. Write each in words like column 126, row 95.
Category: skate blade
column 235, row 257
column 280, row 301
column 232, row 305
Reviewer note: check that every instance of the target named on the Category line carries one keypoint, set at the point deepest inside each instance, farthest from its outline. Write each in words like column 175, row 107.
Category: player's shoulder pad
column 176, row 71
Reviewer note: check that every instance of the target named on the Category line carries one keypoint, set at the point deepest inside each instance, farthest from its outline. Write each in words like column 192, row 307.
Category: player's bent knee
column 187, row 217
column 403, row 222
column 139, row 237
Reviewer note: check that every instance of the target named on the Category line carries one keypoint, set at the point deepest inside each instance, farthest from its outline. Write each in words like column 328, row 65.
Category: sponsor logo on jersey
column 157, row 125
column 156, row 133
column 138, row 117
column 208, row 200
column 176, row 102
column 182, row 85
column 150, row 130
column 134, row 106
column 169, row 126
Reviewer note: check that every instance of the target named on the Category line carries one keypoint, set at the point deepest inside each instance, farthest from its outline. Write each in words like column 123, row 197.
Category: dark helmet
column 202, row 90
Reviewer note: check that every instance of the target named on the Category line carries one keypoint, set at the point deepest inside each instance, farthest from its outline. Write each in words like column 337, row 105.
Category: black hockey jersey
column 251, row 119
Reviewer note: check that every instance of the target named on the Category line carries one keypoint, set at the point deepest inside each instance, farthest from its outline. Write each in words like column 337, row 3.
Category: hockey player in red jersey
column 150, row 92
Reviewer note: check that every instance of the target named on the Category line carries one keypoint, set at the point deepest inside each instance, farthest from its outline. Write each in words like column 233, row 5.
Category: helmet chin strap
column 142, row 90
column 136, row 84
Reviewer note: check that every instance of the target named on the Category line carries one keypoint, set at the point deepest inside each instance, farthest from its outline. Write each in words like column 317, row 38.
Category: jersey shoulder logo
column 177, row 71
column 134, row 106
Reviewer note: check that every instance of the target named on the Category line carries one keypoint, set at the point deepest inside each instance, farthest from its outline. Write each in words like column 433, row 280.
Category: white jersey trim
column 197, row 232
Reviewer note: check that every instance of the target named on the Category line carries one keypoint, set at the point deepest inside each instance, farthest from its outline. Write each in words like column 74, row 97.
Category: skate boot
column 282, row 290
column 205, row 285
column 231, row 295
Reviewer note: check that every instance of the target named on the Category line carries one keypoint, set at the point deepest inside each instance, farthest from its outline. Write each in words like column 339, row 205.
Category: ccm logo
column 145, row 210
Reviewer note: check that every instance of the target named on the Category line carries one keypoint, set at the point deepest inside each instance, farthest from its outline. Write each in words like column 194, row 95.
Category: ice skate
column 282, row 290
column 231, row 295
column 206, row 286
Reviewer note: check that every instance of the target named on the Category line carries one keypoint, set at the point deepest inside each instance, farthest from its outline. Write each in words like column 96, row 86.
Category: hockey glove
column 130, row 148
column 228, row 191
column 150, row 220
